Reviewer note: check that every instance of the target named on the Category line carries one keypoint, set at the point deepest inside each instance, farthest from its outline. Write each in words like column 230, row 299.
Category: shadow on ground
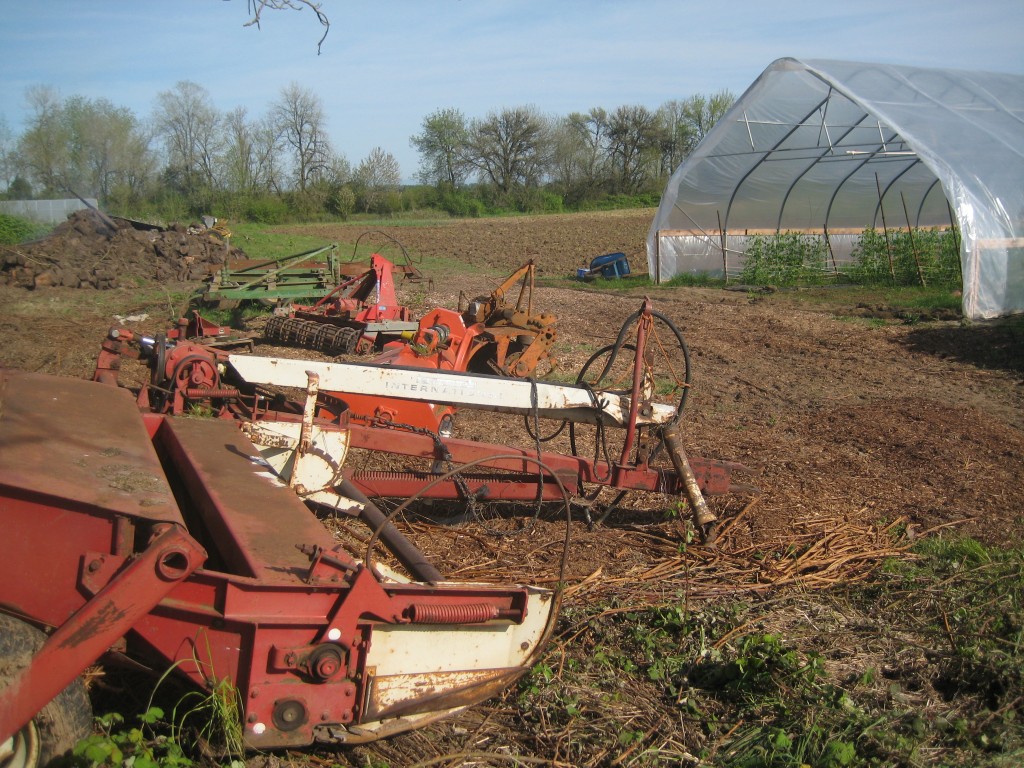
column 995, row 346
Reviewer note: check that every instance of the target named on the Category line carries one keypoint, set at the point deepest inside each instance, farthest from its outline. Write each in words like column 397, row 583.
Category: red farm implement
column 192, row 543
column 177, row 541
column 492, row 334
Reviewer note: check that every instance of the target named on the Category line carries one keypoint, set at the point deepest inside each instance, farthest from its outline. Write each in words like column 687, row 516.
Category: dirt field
column 860, row 435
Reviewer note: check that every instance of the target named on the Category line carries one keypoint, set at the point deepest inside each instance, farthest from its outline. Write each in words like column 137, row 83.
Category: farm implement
column 492, row 334
column 622, row 414
column 193, row 543
column 182, row 543
column 359, row 314
column 363, row 314
column 311, row 274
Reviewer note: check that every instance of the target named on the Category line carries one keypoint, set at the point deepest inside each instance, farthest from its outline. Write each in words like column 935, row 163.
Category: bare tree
column 442, row 147
column 634, row 140
column 677, row 137
column 299, row 119
column 190, row 126
column 510, row 148
column 580, row 152
column 376, row 176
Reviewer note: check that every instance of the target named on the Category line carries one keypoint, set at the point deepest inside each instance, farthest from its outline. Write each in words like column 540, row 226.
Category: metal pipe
column 408, row 555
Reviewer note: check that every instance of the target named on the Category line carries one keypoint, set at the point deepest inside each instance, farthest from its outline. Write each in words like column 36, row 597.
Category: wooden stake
column 885, row 229
column 913, row 245
column 725, row 259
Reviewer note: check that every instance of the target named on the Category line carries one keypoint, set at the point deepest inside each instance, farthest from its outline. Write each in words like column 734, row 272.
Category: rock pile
column 90, row 250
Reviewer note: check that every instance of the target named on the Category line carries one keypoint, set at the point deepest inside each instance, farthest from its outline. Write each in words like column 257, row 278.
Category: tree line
column 188, row 157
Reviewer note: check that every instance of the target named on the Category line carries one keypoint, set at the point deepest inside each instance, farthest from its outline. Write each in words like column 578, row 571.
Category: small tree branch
column 256, row 8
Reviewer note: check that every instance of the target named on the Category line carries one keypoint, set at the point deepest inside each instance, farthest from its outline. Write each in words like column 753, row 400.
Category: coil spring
column 473, row 613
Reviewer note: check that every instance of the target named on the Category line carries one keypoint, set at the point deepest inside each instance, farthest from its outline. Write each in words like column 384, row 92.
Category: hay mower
column 182, row 543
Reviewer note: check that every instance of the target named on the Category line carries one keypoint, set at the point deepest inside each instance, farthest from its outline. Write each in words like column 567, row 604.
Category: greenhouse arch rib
column 765, row 154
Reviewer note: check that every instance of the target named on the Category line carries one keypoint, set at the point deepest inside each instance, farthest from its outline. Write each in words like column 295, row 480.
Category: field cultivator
column 363, row 315
column 492, row 334
column 308, row 275
column 360, row 314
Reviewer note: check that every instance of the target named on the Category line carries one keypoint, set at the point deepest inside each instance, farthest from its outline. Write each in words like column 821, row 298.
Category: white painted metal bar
column 490, row 393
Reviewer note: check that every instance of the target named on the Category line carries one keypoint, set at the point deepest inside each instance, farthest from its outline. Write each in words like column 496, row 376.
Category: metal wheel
column 665, row 378
column 195, row 371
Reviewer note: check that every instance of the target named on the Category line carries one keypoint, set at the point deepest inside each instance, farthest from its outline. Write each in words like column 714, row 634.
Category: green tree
column 701, row 112
column 442, row 146
column 85, row 146
column 45, row 145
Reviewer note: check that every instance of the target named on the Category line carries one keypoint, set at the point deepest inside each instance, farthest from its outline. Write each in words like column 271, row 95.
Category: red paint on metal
column 77, row 643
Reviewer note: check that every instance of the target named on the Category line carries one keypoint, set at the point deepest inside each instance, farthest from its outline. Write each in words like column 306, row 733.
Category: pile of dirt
column 91, row 250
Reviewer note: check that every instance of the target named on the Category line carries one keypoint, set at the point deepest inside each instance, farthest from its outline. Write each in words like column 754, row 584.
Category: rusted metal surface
column 129, row 592
column 713, row 477
column 297, row 625
column 256, row 521
column 53, row 444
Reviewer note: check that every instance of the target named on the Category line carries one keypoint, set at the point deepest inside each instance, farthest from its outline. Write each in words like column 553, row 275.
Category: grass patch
column 260, row 241
column 15, row 229
column 922, row 666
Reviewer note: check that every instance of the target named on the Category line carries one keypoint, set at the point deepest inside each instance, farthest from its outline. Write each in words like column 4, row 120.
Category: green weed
column 139, row 747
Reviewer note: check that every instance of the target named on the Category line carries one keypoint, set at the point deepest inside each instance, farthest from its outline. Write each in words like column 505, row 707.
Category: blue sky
column 386, row 64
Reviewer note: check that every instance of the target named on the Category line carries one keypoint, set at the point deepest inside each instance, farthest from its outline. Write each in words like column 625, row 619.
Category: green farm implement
column 308, row 275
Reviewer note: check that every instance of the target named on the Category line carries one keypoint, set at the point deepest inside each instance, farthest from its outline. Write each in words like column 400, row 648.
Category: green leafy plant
column 924, row 257
column 141, row 746
column 14, row 229
column 784, row 259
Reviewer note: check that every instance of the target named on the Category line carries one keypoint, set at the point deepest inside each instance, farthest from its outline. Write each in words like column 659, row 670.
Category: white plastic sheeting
column 833, row 147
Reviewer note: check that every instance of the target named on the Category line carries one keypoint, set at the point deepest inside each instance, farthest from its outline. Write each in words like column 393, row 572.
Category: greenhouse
column 830, row 149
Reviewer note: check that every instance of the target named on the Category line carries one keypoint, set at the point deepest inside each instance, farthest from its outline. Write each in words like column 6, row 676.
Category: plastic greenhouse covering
column 834, row 148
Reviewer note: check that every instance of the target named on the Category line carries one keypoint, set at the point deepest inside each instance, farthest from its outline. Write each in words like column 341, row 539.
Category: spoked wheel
column 664, row 378
column 59, row 725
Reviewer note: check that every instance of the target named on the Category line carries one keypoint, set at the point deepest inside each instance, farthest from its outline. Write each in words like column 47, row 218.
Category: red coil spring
column 474, row 613
column 199, row 394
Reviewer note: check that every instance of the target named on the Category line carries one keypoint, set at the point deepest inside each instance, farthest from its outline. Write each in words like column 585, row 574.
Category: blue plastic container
column 611, row 265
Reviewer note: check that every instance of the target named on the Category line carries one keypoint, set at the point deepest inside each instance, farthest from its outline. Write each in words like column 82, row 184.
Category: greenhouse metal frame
column 833, row 148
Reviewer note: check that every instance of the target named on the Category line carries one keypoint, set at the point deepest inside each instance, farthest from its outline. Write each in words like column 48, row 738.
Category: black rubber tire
column 60, row 725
